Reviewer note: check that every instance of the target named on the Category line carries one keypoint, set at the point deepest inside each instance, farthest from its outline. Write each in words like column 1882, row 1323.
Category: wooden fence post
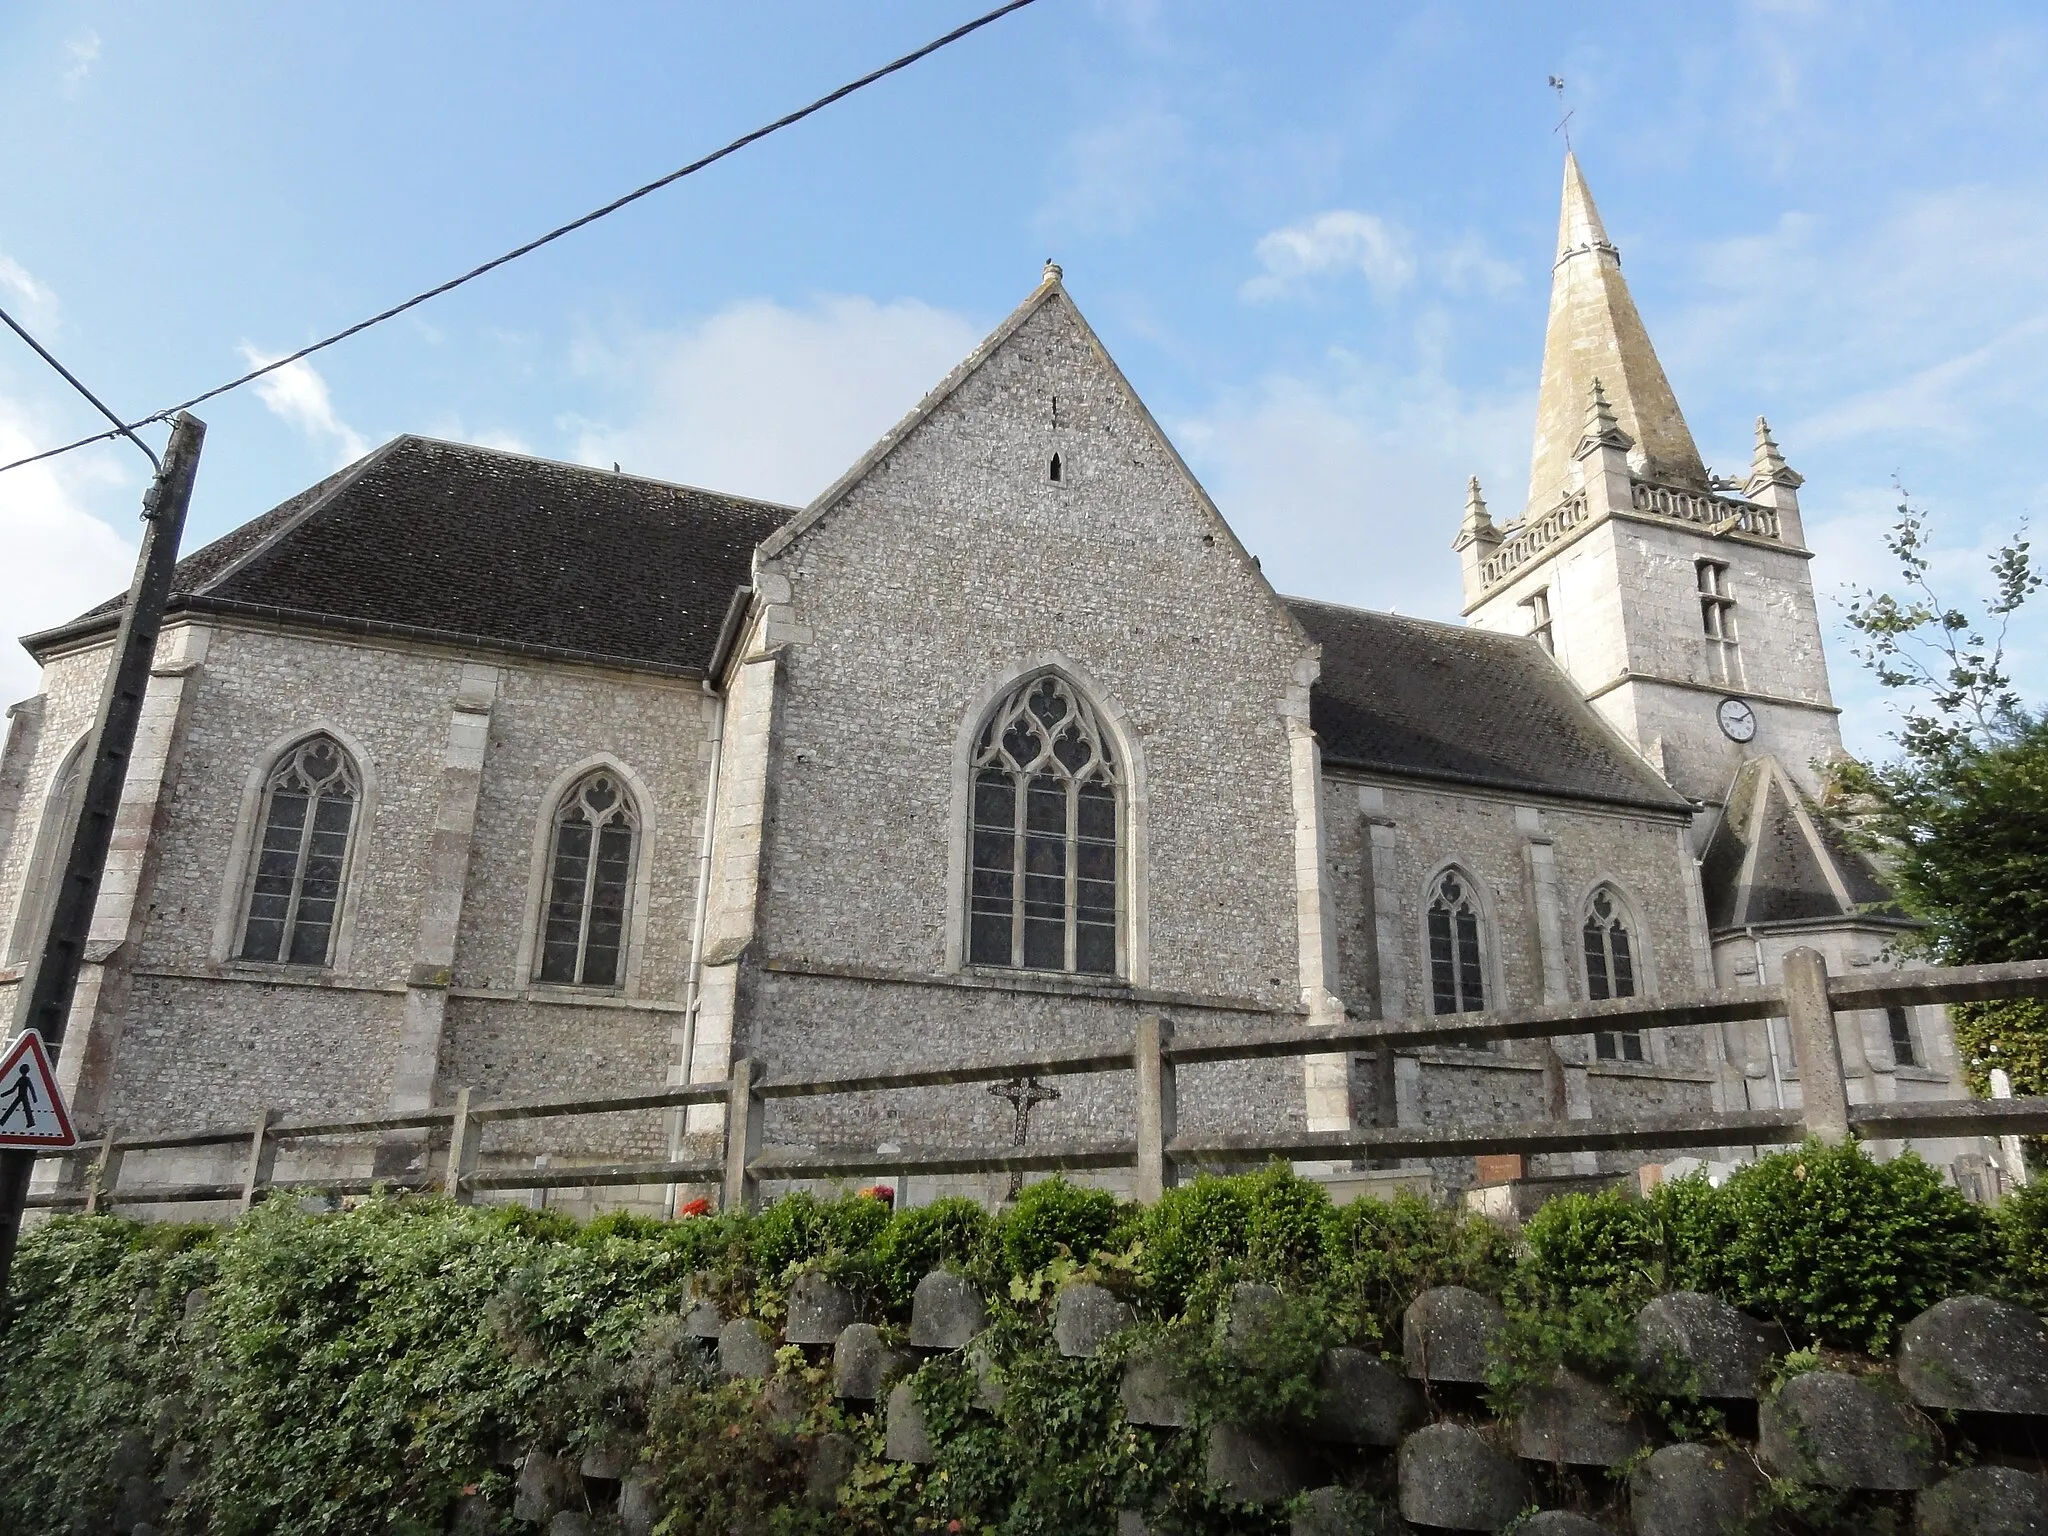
column 262, row 1158
column 743, row 1115
column 1158, row 1108
column 1823, row 1090
column 465, row 1145
column 102, row 1176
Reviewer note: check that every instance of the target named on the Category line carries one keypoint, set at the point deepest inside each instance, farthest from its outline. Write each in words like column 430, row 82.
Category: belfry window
column 1610, row 972
column 1538, row 604
column 1457, row 960
column 309, row 813
column 590, row 881
column 1900, row 1025
column 1717, row 620
column 1043, row 881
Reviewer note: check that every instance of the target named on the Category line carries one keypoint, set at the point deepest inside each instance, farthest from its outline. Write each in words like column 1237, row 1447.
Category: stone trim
column 1488, row 789
column 1622, row 679
column 1043, row 982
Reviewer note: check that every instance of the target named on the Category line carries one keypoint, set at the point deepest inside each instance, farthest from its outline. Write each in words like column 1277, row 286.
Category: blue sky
column 1316, row 236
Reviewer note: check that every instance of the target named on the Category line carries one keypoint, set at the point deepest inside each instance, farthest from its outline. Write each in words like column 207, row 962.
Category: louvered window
column 309, row 815
column 1043, row 872
column 590, row 881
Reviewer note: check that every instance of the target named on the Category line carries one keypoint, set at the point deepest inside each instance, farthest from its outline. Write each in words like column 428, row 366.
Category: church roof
column 1775, row 859
column 447, row 541
column 1595, row 333
column 1468, row 706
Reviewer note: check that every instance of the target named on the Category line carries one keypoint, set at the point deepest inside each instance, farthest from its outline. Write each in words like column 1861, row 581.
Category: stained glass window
column 1043, row 875
column 309, row 813
column 590, row 876
column 1457, row 963
column 1610, row 972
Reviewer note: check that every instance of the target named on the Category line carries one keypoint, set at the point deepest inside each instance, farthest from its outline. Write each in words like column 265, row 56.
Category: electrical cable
column 745, row 139
column 72, row 379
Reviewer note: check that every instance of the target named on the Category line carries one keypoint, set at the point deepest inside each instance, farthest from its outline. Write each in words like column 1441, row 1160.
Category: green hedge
column 365, row 1370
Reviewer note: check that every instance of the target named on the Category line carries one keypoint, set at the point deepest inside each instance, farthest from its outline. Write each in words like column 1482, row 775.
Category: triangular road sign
column 32, row 1109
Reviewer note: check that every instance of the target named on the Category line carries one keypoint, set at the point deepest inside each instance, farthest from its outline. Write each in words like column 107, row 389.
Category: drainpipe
column 680, row 1117
column 1770, row 1025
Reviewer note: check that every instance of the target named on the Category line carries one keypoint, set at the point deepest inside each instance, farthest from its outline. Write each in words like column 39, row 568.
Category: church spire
column 1595, row 332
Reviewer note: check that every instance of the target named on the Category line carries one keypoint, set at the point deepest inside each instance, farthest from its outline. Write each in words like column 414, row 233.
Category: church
column 462, row 769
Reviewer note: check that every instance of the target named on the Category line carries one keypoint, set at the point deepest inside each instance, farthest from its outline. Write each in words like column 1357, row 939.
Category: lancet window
column 1610, row 971
column 1043, row 877
column 301, row 863
column 1457, row 937
column 590, row 880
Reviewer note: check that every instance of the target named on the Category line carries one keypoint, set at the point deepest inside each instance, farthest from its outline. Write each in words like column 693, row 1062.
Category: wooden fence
column 1807, row 1000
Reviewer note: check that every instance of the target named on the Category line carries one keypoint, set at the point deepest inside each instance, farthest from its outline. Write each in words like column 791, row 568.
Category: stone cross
column 1024, row 1095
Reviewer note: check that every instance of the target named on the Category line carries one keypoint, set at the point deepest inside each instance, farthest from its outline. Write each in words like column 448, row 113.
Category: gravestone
column 945, row 1312
column 1452, row 1477
column 1151, row 1395
column 1560, row 1522
column 1086, row 1317
column 828, row 1464
column 1364, row 1402
column 1445, row 1333
column 1570, row 1421
column 862, row 1364
column 1976, row 1354
column 745, row 1350
column 1711, row 1348
column 1253, row 1467
column 1839, row 1431
column 1693, row 1490
column 1250, row 1313
column 1984, row 1501
column 639, row 1503
column 818, row 1310
column 906, row 1438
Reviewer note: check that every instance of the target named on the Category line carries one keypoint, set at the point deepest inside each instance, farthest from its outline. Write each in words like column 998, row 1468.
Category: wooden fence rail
column 1808, row 1000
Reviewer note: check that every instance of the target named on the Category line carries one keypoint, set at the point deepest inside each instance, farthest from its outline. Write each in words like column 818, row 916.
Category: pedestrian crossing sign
column 32, row 1109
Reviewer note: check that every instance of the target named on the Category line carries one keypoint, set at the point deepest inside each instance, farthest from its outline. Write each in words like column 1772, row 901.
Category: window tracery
column 1044, row 866
column 590, row 875
column 1610, row 971
column 295, row 888
column 1457, row 957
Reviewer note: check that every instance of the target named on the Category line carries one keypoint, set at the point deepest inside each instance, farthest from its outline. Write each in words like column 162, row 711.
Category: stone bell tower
column 1682, row 605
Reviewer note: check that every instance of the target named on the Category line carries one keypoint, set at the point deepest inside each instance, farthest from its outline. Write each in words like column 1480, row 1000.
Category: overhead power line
column 72, row 379
column 121, row 429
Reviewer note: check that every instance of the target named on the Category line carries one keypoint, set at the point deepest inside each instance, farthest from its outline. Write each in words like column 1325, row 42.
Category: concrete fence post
column 102, row 1176
column 465, row 1147
column 1823, row 1090
column 743, row 1116
column 1158, row 1108
column 262, row 1160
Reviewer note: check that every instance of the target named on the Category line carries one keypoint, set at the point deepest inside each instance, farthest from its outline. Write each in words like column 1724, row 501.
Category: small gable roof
column 440, row 540
column 1775, row 858
column 1419, row 699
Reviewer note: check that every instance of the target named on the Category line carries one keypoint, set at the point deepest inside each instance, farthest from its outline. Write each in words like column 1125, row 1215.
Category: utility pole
column 43, row 1001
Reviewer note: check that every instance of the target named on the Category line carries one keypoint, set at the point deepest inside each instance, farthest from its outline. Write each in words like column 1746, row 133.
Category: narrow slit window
column 1052, row 472
column 1043, row 877
column 590, row 881
column 295, row 889
column 1610, row 972
column 1457, row 964
column 1717, row 620
column 1900, row 1023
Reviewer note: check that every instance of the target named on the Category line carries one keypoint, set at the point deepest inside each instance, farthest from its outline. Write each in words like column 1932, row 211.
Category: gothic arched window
column 1457, row 956
column 309, row 812
column 590, row 878
column 1610, row 971
column 1043, row 884
column 53, row 833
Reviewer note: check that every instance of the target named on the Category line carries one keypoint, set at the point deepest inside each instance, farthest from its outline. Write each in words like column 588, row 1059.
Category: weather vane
column 1563, row 123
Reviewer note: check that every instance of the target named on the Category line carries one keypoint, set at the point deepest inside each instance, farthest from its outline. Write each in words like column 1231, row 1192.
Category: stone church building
column 466, row 769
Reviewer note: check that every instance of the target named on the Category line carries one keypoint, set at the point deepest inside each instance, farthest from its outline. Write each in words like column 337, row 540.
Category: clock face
column 1738, row 720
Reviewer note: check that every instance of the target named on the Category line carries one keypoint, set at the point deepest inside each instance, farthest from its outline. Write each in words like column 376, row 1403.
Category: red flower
column 698, row 1207
column 887, row 1196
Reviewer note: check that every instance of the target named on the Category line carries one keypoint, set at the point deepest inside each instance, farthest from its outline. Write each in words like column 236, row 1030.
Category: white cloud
column 765, row 400
column 34, row 300
column 60, row 559
column 1350, row 488
column 1115, row 175
column 81, row 52
column 1342, row 240
column 297, row 394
